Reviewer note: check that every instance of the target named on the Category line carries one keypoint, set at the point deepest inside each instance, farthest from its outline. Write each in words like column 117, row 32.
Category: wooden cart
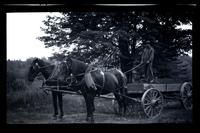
column 152, row 96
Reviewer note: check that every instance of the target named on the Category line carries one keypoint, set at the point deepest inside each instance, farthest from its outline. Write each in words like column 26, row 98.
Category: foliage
column 115, row 38
column 15, row 75
column 19, row 93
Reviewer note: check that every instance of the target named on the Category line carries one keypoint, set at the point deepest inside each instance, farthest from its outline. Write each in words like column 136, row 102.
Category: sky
column 22, row 31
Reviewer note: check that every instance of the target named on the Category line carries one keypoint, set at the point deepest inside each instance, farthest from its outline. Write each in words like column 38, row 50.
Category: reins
column 133, row 68
column 45, row 66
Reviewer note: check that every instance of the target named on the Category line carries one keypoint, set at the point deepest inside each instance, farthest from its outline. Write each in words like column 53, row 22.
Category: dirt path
column 168, row 116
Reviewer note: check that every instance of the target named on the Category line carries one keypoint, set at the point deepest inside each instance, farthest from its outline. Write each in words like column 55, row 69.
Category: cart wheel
column 152, row 102
column 115, row 106
column 186, row 95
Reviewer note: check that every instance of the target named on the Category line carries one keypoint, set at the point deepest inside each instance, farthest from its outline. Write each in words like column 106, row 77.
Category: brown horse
column 40, row 66
column 111, row 81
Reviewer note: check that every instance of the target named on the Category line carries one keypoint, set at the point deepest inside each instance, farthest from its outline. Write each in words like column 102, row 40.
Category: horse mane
column 78, row 67
column 44, row 63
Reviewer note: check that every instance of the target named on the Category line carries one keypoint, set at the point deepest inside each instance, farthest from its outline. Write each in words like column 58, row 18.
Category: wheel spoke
column 155, row 94
column 186, row 92
column 149, row 111
column 147, row 101
column 184, row 97
column 146, row 108
column 187, row 89
column 159, row 98
column 151, row 93
column 190, row 93
column 189, row 102
column 185, row 100
column 146, row 104
column 152, row 112
column 148, row 97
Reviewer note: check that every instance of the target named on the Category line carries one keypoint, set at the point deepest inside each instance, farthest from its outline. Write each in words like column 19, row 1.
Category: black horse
column 39, row 66
column 111, row 81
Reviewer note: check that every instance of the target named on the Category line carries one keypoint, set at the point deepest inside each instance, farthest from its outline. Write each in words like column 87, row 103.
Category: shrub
column 29, row 99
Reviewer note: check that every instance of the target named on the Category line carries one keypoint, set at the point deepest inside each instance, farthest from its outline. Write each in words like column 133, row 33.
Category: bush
column 16, row 85
column 29, row 99
column 19, row 85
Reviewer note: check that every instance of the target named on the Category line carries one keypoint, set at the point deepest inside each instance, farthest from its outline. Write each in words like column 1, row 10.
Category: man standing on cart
column 147, row 61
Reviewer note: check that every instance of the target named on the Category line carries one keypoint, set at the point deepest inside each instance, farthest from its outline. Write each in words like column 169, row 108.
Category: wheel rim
column 186, row 95
column 152, row 101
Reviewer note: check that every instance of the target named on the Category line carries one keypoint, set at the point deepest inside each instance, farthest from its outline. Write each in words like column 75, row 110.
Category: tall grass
column 35, row 100
column 32, row 99
column 27, row 100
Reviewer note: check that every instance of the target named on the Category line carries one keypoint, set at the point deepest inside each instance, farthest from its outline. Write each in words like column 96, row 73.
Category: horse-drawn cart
column 152, row 96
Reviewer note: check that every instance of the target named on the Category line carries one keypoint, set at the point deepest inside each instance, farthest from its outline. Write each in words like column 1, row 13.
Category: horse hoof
column 90, row 120
column 60, row 117
column 54, row 117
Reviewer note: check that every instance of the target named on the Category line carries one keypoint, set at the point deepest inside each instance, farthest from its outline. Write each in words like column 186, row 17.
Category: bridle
column 43, row 66
column 39, row 67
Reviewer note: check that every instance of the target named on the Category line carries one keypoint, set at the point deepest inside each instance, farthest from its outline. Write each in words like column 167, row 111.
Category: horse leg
column 87, row 105
column 89, row 101
column 91, row 107
column 60, row 100
column 124, row 99
column 119, row 103
column 54, row 97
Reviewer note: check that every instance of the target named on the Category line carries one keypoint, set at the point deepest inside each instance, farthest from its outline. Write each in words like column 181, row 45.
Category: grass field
column 33, row 106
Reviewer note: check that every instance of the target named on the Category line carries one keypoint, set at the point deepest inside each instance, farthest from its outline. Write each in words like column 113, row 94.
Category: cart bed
column 141, row 87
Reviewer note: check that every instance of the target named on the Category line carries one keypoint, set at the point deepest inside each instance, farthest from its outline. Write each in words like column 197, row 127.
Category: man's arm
column 151, row 56
column 125, row 57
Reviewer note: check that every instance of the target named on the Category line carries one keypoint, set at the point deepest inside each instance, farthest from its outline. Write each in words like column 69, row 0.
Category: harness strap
column 57, row 84
column 89, row 78
column 102, row 83
column 45, row 66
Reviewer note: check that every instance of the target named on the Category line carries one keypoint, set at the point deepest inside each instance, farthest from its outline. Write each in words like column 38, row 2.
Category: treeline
column 20, row 95
column 17, row 71
column 181, row 70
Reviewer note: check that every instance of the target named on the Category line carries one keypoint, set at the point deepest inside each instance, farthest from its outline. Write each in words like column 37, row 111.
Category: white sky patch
column 185, row 27
column 22, row 31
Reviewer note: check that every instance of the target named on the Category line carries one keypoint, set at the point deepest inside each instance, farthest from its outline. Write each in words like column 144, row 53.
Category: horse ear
column 36, row 60
column 67, row 59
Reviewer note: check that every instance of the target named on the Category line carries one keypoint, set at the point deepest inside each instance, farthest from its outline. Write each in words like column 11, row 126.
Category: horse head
column 67, row 63
column 34, row 69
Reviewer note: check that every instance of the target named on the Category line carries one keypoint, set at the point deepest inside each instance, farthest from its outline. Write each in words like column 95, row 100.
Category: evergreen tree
column 96, row 35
